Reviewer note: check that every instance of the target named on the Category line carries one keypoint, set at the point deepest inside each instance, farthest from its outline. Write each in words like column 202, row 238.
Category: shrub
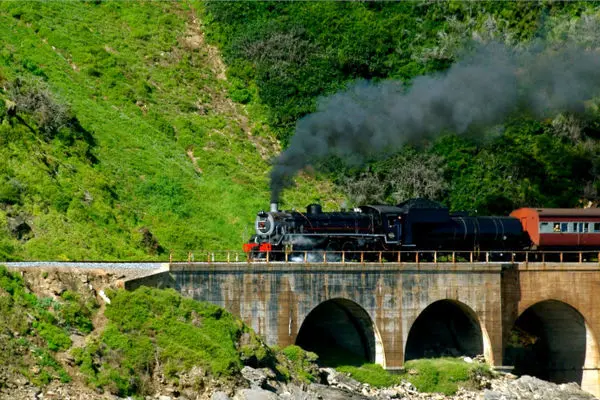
column 55, row 337
column 32, row 96
column 302, row 363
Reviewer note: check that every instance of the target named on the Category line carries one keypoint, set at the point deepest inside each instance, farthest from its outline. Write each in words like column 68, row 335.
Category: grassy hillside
column 139, row 344
column 152, row 156
column 124, row 135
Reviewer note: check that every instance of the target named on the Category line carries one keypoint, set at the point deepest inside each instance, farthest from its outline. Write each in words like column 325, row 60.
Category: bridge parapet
column 394, row 257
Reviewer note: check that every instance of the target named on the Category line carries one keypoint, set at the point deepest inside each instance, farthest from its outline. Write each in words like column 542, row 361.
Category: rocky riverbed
column 260, row 384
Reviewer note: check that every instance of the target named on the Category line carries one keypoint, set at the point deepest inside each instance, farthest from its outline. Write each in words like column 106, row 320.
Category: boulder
column 219, row 396
column 256, row 377
column 255, row 394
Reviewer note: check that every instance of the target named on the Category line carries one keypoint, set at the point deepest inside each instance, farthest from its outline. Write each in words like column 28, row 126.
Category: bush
column 55, row 337
column 33, row 97
column 302, row 363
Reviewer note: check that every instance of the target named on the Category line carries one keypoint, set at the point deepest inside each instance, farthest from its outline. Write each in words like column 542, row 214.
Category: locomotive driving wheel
column 350, row 252
column 333, row 252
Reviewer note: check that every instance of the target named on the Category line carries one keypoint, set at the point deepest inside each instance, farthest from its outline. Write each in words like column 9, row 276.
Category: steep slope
column 155, row 158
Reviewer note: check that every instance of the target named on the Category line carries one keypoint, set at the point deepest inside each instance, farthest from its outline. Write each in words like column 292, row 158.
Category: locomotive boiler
column 416, row 224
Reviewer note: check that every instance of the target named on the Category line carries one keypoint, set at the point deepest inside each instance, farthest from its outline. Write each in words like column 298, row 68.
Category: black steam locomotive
column 416, row 224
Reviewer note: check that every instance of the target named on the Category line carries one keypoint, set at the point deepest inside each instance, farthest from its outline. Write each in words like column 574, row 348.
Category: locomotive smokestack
column 274, row 207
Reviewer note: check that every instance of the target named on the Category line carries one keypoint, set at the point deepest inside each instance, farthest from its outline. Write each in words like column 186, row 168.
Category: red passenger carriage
column 561, row 228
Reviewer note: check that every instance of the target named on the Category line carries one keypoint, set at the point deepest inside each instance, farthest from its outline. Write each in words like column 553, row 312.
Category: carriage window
column 596, row 226
column 556, row 227
column 585, row 226
column 545, row 227
column 564, row 227
column 581, row 227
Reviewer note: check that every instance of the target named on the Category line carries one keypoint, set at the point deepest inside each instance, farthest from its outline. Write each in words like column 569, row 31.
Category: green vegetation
column 290, row 54
column 152, row 330
column 33, row 330
column 149, row 332
column 302, row 362
column 441, row 375
column 150, row 327
column 123, row 136
column 117, row 137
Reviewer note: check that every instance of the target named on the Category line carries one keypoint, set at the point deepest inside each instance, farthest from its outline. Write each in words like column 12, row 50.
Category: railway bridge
column 540, row 317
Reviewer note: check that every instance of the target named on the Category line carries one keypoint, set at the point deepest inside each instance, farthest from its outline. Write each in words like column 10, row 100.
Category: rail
column 396, row 257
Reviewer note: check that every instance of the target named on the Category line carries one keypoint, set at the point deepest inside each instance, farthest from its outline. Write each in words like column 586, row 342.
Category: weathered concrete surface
column 575, row 285
column 276, row 298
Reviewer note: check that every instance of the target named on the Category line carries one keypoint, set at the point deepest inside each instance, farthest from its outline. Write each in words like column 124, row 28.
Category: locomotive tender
column 414, row 225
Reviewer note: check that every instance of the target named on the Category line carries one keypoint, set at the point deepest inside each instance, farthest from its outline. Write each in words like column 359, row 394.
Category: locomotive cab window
column 391, row 221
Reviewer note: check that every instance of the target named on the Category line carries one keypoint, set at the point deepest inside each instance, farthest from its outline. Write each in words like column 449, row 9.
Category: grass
column 441, row 375
column 171, row 155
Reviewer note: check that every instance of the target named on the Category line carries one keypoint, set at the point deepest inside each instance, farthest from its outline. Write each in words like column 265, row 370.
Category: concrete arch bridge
column 541, row 318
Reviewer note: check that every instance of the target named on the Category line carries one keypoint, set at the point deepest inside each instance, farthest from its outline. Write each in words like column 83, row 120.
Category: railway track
column 330, row 257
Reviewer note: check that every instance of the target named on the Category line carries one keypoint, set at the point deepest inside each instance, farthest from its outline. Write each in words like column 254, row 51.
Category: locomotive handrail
column 396, row 257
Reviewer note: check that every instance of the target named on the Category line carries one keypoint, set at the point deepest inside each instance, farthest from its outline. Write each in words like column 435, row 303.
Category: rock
column 164, row 397
column 219, row 396
column 255, row 394
column 468, row 360
column 332, row 393
column 19, row 228
column 388, row 394
column 527, row 387
column 341, row 381
column 256, row 377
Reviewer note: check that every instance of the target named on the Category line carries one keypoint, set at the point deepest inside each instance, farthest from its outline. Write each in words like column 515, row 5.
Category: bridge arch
column 341, row 327
column 447, row 328
column 552, row 340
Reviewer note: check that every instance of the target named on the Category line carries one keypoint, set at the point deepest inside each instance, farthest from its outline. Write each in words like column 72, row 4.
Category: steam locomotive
column 420, row 225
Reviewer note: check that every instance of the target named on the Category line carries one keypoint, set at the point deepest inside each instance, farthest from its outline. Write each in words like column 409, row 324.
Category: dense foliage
column 287, row 55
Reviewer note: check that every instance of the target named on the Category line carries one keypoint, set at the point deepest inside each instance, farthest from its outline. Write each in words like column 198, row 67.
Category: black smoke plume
column 479, row 91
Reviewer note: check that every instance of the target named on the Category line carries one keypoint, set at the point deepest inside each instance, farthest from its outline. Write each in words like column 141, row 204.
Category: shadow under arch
column 340, row 331
column 551, row 340
column 446, row 328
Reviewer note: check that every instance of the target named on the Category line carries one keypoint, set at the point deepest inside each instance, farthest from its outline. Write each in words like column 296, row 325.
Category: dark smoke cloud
column 479, row 91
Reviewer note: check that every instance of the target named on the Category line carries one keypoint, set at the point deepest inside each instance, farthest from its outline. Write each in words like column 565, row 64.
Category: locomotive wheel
column 350, row 252
column 333, row 252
